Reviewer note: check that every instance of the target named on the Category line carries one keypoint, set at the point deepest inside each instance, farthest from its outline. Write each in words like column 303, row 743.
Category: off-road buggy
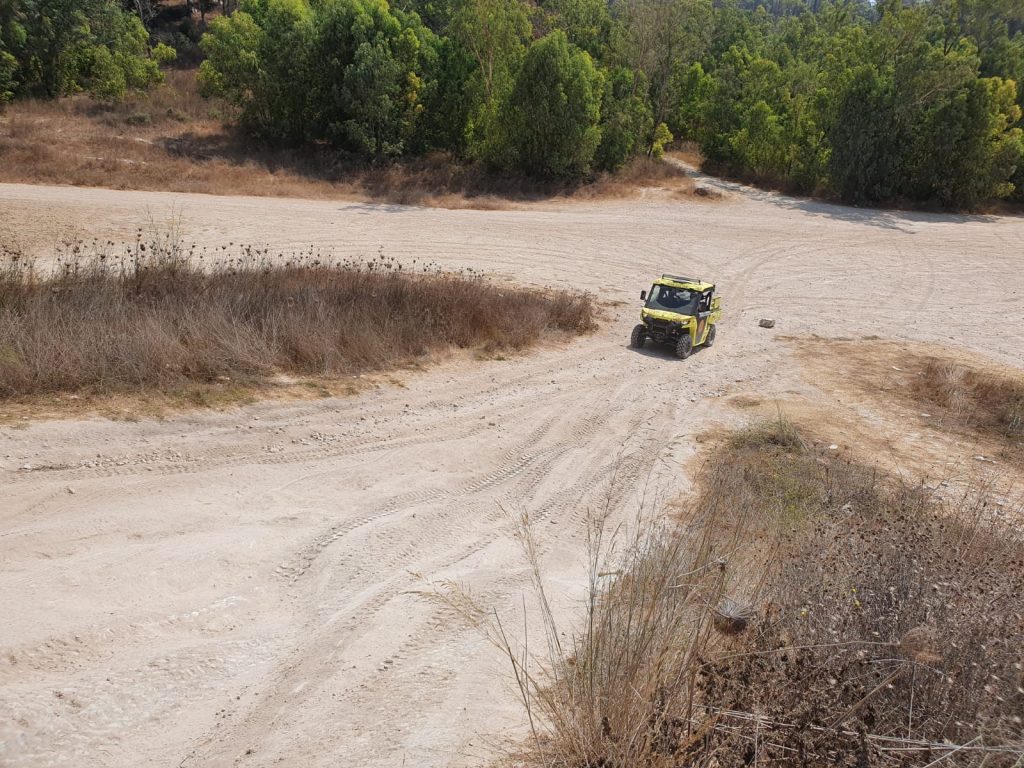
column 681, row 311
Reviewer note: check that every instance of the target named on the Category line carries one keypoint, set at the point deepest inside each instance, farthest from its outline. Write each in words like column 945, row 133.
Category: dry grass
column 879, row 395
column 811, row 613
column 160, row 317
column 973, row 398
column 172, row 139
column 688, row 153
column 890, row 627
column 640, row 173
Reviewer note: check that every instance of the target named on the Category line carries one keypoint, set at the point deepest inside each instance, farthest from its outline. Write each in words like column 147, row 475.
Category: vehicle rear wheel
column 711, row 336
column 684, row 347
column 638, row 337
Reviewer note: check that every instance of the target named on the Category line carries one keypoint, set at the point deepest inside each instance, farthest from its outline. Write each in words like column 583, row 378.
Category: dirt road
column 239, row 588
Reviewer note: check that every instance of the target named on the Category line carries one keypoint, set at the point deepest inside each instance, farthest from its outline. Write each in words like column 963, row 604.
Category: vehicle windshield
column 671, row 299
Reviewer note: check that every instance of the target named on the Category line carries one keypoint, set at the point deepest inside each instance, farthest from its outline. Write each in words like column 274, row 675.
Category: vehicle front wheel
column 684, row 347
column 711, row 336
column 638, row 337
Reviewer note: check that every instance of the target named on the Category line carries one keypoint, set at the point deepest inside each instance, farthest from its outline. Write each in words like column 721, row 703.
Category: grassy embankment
column 810, row 612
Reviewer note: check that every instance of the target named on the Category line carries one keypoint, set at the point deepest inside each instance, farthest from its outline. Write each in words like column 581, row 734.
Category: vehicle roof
column 676, row 281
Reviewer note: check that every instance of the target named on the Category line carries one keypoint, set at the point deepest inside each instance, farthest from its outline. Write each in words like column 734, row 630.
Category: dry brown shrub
column 638, row 173
column 158, row 315
column 892, row 629
column 972, row 397
column 688, row 153
column 882, row 626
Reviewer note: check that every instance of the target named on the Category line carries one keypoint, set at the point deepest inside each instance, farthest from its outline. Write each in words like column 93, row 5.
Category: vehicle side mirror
column 643, row 295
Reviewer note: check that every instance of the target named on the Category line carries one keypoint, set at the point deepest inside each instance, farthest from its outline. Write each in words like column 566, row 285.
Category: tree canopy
column 870, row 102
column 51, row 48
column 867, row 102
column 873, row 105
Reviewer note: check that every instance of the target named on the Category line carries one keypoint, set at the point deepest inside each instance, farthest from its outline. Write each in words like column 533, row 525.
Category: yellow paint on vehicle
column 699, row 287
column 664, row 314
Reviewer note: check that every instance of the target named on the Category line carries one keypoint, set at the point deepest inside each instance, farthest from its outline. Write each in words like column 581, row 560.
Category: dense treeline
column 493, row 80
column 919, row 103
column 870, row 102
column 51, row 48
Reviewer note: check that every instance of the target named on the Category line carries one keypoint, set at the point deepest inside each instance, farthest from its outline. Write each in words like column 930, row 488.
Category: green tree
column 587, row 23
column 808, row 151
column 116, row 57
column 759, row 145
column 8, row 66
column 51, row 48
column 867, row 139
column 663, row 37
column 12, row 42
column 626, row 120
column 967, row 147
column 448, row 100
column 352, row 73
column 259, row 59
column 494, row 33
column 742, row 81
column 552, row 116
column 874, row 105
column 368, row 87
column 695, row 90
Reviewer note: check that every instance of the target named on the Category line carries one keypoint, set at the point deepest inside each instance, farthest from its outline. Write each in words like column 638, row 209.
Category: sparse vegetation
column 159, row 316
column 973, row 398
column 810, row 612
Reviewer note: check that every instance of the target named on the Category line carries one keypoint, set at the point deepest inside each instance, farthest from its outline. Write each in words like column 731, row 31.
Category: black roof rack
column 680, row 279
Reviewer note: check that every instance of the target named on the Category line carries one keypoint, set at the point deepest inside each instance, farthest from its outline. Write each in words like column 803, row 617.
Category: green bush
column 367, row 94
column 51, row 48
column 551, row 118
column 259, row 59
column 868, row 142
column 8, row 66
column 626, row 119
column 966, row 147
column 349, row 72
column 890, row 104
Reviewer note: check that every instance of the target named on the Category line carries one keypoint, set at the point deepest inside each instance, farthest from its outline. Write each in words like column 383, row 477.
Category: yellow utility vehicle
column 681, row 311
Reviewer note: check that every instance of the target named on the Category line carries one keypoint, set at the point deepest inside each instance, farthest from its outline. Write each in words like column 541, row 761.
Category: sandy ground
column 240, row 588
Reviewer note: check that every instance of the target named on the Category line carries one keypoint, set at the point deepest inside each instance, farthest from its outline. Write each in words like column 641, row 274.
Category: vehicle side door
column 704, row 304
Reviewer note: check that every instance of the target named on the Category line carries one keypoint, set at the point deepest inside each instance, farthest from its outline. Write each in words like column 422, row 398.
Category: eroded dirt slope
column 238, row 588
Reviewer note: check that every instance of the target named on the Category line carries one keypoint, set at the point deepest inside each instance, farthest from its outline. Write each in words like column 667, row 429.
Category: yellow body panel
column 664, row 314
column 699, row 287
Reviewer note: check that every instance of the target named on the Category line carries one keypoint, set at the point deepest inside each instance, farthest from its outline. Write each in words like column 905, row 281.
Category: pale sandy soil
column 239, row 588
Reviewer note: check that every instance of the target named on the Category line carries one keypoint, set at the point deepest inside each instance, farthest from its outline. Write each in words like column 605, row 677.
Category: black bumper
column 663, row 330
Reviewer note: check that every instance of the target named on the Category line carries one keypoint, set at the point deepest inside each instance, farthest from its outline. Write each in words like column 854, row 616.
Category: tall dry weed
column 973, row 398
column 810, row 612
column 158, row 315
